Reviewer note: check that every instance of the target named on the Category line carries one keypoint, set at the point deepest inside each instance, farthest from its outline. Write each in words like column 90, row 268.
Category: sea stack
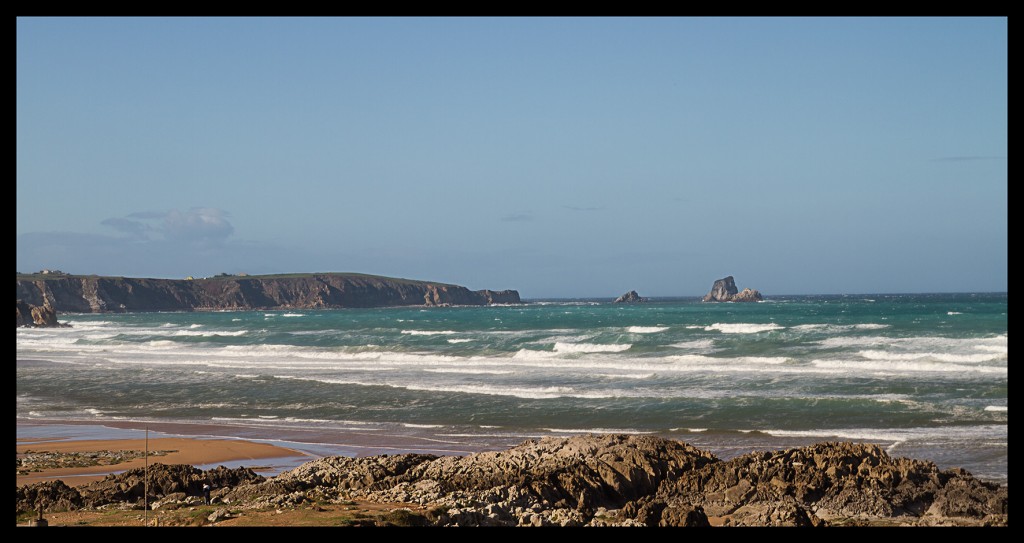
column 724, row 290
column 33, row 316
column 629, row 298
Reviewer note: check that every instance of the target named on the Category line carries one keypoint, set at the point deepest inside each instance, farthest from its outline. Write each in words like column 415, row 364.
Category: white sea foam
column 576, row 338
column 899, row 435
column 992, row 348
column 596, row 431
column 490, row 390
column 742, row 327
column 196, row 326
column 235, row 320
column 428, row 332
column 806, row 327
column 590, row 348
column 470, row 371
column 695, row 344
column 1000, row 408
column 646, row 329
column 917, row 343
column 625, row 375
column 459, row 340
column 209, row 333
column 530, row 354
column 871, row 326
column 293, row 315
column 943, row 357
column 411, row 425
column 953, row 313
column 897, row 367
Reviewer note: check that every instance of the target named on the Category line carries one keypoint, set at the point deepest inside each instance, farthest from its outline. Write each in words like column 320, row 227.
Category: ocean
column 923, row 375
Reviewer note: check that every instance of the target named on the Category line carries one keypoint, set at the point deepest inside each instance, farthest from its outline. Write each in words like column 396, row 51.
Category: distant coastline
column 99, row 294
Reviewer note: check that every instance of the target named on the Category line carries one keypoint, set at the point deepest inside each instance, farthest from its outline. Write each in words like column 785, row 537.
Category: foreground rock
column 724, row 290
column 629, row 298
column 600, row 480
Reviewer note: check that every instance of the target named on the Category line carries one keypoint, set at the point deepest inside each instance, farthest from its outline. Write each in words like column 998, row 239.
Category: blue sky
column 563, row 157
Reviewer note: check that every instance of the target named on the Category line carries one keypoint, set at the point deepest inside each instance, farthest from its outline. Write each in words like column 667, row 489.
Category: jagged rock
column 49, row 495
column 683, row 516
column 835, row 479
column 219, row 515
column 163, row 480
column 629, row 298
column 724, row 290
column 37, row 316
column 748, row 295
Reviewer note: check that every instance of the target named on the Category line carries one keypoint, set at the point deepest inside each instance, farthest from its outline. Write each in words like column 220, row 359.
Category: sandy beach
column 191, row 451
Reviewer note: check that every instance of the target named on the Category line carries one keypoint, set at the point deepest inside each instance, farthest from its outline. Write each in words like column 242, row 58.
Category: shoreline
column 284, row 448
column 201, row 453
column 208, row 445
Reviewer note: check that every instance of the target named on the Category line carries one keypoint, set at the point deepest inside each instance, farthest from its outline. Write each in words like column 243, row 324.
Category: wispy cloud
column 578, row 208
column 204, row 225
column 136, row 229
column 518, row 217
column 966, row 158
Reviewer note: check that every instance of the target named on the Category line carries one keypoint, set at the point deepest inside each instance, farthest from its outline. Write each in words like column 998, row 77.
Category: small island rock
column 629, row 298
column 724, row 290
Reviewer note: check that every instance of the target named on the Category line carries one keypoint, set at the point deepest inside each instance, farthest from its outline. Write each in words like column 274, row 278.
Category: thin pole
column 145, row 481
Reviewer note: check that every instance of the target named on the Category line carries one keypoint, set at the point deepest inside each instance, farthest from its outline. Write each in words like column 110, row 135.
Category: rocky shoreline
column 593, row 480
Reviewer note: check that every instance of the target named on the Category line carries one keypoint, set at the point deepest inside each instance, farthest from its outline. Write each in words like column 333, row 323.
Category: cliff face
column 724, row 290
column 91, row 294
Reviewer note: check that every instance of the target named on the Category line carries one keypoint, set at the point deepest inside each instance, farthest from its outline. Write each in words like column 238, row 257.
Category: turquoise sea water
column 924, row 375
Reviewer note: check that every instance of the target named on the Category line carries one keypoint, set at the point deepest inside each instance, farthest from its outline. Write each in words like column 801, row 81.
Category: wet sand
column 206, row 446
column 191, row 451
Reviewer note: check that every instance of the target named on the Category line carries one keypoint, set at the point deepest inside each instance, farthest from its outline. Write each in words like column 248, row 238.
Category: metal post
column 145, row 481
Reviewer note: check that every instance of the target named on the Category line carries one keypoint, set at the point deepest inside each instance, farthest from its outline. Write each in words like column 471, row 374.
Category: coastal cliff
column 95, row 294
column 724, row 290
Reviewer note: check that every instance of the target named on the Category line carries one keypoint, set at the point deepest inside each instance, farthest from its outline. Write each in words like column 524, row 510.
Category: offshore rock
column 629, row 298
column 37, row 316
column 724, row 290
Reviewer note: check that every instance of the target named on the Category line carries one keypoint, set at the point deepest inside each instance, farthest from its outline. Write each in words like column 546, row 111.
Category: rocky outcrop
column 831, row 481
column 43, row 316
column 724, row 290
column 629, row 298
column 164, row 480
column 500, row 296
column 594, row 480
column 92, row 294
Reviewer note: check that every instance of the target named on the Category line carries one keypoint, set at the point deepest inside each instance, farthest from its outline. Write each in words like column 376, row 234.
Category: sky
column 562, row 157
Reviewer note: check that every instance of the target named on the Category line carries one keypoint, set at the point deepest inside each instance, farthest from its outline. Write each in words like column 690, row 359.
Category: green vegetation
column 232, row 277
